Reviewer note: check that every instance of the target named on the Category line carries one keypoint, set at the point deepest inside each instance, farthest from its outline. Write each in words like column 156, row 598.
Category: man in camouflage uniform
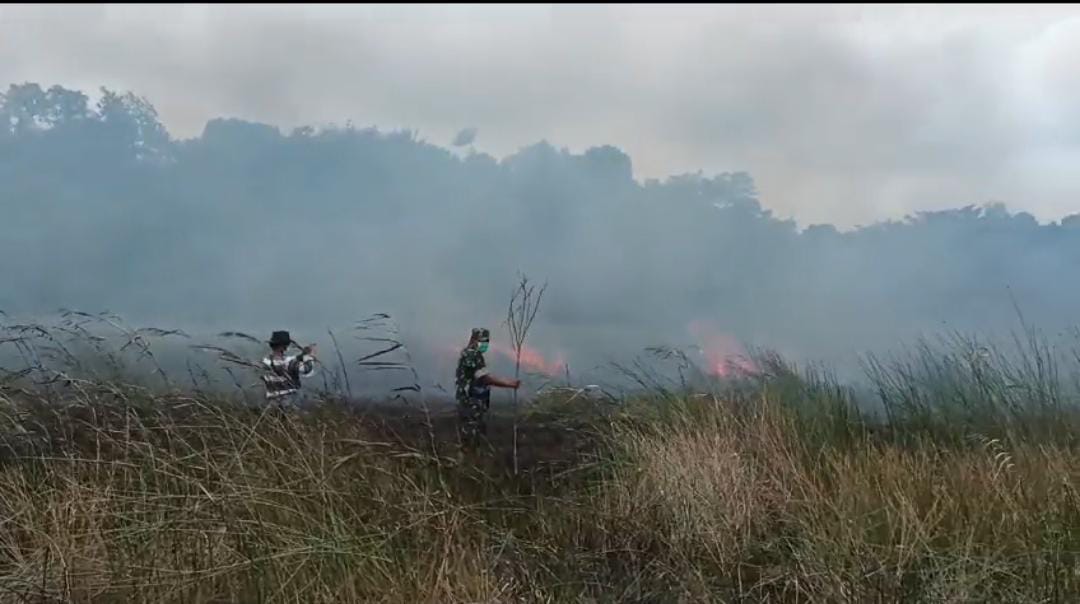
column 474, row 388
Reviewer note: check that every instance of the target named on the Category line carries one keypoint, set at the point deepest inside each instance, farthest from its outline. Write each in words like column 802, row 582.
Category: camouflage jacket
column 470, row 368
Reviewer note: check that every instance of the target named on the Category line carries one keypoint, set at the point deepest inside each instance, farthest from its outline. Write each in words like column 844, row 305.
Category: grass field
column 777, row 488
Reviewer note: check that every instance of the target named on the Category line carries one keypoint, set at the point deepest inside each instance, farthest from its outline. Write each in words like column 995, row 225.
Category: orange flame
column 531, row 360
column 724, row 355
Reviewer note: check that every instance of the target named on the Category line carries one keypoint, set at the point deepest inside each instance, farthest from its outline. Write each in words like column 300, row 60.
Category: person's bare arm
column 492, row 380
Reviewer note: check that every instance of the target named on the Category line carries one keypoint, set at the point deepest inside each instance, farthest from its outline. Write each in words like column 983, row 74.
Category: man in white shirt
column 284, row 372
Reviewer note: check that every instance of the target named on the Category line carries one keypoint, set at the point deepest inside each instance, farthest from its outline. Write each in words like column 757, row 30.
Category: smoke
column 246, row 227
column 845, row 114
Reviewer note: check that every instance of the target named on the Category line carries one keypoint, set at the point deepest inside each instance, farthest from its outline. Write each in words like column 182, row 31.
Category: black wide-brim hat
column 480, row 334
column 280, row 338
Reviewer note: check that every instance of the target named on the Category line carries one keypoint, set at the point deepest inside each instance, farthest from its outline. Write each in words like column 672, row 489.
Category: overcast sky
column 842, row 114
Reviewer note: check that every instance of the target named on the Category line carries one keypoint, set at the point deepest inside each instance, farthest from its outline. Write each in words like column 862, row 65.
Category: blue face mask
column 482, row 346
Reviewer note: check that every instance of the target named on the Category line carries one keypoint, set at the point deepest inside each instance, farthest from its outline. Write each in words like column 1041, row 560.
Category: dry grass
column 779, row 490
column 183, row 499
column 739, row 505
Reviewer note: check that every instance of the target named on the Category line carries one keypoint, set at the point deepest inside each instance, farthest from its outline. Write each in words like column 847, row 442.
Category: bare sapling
column 524, row 304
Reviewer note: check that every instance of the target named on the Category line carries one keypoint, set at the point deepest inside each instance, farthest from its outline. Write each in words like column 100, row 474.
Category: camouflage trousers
column 471, row 424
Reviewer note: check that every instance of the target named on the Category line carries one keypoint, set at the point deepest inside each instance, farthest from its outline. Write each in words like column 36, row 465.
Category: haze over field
column 678, row 175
